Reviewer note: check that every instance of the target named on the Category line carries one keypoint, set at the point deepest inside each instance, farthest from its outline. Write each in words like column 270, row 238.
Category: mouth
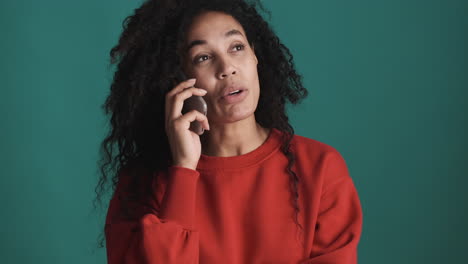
column 236, row 92
column 233, row 91
column 235, row 96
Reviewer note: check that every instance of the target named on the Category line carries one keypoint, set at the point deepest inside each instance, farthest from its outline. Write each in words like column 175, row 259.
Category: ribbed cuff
column 179, row 200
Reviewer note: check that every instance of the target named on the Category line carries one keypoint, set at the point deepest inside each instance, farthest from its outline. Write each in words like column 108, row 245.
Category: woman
column 239, row 192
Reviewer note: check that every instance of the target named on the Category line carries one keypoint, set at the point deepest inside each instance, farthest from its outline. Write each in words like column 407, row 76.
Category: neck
column 233, row 139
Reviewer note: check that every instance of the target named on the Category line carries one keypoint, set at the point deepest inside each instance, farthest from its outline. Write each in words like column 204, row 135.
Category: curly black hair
column 146, row 57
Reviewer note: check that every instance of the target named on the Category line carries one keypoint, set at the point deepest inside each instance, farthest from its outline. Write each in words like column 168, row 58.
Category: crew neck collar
column 269, row 146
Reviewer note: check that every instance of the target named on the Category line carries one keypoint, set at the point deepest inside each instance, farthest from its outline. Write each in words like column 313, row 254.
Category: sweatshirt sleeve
column 147, row 238
column 339, row 222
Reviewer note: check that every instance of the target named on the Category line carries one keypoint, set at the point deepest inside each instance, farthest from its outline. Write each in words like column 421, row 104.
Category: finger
column 178, row 102
column 192, row 116
column 181, row 86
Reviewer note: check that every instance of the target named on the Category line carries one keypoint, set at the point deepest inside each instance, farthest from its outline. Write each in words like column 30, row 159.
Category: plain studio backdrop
column 387, row 85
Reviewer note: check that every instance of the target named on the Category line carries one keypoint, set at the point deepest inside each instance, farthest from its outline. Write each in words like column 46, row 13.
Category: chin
column 235, row 117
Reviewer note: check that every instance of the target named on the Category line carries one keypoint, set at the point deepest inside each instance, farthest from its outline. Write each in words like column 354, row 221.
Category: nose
column 226, row 69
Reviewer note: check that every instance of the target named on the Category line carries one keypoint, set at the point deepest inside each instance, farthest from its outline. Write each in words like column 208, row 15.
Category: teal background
column 387, row 79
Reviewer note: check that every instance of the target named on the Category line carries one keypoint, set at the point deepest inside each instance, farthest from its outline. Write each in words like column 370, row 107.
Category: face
column 219, row 56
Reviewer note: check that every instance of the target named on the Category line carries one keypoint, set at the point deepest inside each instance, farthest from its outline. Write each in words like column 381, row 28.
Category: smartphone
column 194, row 102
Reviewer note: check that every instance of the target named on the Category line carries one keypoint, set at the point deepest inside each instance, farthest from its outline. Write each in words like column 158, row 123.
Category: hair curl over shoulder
column 146, row 57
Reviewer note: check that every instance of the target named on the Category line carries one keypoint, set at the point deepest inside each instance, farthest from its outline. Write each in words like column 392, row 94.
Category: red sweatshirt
column 239, row 210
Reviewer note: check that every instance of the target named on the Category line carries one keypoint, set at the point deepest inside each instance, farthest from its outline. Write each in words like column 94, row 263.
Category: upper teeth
column 234, row 91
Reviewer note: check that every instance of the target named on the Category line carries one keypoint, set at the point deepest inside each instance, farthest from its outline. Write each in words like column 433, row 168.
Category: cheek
column 257, row 94
column 210, row 98
column 204, row 83
column 210, row 102
column 252, row 70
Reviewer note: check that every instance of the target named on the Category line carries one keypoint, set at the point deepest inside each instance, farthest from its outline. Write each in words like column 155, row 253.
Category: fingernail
column 192, row 80
column 204, row 91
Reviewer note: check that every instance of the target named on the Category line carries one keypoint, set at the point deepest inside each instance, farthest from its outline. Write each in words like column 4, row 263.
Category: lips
column 231, row 89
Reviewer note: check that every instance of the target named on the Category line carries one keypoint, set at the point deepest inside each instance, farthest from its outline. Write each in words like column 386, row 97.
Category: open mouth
column 235, row 96
column 235, row 92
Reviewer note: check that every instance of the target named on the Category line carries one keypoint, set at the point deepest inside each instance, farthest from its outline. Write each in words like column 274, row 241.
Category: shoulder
column 320, row 161
column 318, row 156
column 312, row 147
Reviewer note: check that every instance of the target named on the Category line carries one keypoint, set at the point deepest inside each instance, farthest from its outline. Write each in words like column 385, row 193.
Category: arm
column 148, row 238
column 339, row 222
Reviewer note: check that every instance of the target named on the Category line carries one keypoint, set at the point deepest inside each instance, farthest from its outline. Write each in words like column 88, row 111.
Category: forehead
column 212, row 24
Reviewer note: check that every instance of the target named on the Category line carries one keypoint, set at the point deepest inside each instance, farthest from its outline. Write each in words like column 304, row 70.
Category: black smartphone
column 194, row 102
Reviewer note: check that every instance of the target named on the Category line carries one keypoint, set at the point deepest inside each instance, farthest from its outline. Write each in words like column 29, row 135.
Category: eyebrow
column 230, row 33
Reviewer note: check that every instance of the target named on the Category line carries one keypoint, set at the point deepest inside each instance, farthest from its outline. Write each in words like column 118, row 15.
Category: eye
column 241, row 46
column 197, row 59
